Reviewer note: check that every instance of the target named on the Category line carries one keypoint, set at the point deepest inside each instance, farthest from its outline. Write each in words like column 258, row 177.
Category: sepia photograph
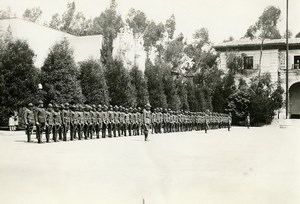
column 149, row 102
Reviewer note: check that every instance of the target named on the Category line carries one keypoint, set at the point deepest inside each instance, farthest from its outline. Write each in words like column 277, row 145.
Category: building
column 273, row 60
column 41, row 38
column 129, row 48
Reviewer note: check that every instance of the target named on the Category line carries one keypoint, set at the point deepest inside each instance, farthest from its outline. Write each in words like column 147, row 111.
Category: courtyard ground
column 255, row 166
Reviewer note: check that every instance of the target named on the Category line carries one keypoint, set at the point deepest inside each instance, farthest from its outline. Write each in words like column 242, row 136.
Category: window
column 296, row 62
column 248, row 62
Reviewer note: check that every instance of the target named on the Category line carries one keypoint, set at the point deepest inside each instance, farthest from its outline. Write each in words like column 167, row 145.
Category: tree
column 137, row 21
column 6, row 13
column 265, row 27
column 72, row 22
column 93, row 83
column 152, row 34
column 108, row 24
column 18, row 77
column 154, row 76
column 297, row 35
column 234, row 62
column 171, row 26
column 120, row 87
column 33, row 14
column 140, row 85
column 59, row 75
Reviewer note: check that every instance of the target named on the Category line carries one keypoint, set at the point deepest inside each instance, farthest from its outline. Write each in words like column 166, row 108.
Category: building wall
column 269, row 61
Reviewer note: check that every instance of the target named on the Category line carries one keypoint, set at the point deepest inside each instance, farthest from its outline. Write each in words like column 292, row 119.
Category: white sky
column 223, row 18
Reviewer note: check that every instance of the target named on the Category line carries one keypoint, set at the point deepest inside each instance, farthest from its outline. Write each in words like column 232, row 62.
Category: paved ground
column 259, row 165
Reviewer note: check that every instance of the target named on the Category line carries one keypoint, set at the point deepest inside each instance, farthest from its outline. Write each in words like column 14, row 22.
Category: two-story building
column 273, row 60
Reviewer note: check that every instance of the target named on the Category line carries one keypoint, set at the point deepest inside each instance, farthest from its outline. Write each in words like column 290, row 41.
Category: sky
column 222, row 18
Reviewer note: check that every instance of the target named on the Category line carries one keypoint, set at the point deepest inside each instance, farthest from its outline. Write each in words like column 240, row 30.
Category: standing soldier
column 114, row 120
column 126, row 121
column 87, row 121
column 49, row 121
column 117, row 121
column 146, row 120
column 73, row 122
column 105, row 121
column 140, row 120
column 248, row 120
column 99, row 121
column 206, row 121
column 93, row 112
column 121, row 120
column 165, row 120
column 40, row 120
column 29, row 121
column 130, row 116
column 56, row 123
column 229, row 120
column 80, row 124
column 65, row 121
column 110, row 120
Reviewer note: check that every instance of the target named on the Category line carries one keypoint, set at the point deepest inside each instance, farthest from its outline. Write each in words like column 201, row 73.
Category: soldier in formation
column 76, row 122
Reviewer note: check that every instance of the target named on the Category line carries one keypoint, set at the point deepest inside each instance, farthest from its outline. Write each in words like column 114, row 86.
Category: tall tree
column 139, row 83
column 297, row 35
column 155, row 84
column 93, row 83
column 108, row 24
column 120, row 87
column 18, row 77
column 137, row 21
column 265, row 28
column 59, row 75
column 171, row 26
column 33, row 14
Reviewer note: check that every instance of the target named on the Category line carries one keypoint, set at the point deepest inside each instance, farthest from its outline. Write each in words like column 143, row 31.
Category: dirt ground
column 255, row 166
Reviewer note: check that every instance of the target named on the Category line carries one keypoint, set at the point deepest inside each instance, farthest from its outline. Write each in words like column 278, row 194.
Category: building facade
column 273, row 60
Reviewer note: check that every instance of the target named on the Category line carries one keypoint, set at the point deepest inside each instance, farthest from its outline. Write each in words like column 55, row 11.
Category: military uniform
column 105, row 121
column 127, row 122
column 73, row 122
column 56, row 123
column 146, row 120
column 65, row 121
column 29, row 121
column 87, row 122
column 49, row 122
column 40, row 121
column 110, row 121
column 99, row 121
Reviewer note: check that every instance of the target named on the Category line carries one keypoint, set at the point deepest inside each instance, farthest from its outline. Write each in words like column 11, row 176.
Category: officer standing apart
column 146, row 120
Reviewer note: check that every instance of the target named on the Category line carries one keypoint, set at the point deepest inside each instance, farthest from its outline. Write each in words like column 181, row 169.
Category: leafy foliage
column 137, row 21
column 139, row 83
column 33, row 14
column 93, row 83
column 120, row 87
column 18, row 77
column 59, row 75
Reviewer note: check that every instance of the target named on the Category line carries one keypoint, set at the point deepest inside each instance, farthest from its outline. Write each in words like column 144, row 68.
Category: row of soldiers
column 91, row 121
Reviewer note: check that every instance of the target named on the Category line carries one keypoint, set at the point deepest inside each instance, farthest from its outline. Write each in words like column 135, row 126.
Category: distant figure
column 248, row 121
column 146, row 120
column 11, row 123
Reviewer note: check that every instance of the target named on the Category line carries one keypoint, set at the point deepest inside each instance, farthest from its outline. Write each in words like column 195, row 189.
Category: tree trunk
column 260, row 57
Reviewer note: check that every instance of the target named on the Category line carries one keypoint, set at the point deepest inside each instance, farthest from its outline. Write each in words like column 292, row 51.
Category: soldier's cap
column 56, row 105
column 30, row 105
column 139, row 108
column 67, row 105
column 40, row 102
column 130, row 108
column 99, row 106
column 105, row 107
column 62, row 106
column 148, row 105
column 116, row 107
column 50, row 105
